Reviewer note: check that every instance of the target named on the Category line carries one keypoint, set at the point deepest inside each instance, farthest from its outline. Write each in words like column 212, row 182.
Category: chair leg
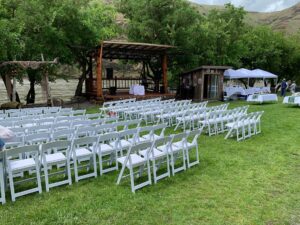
column 38, row 177
column 132, row 180
column 46, row 177
column 69, row 171
column 11, row 186
column 95, row 164
column 2, row 187
column 75, row 169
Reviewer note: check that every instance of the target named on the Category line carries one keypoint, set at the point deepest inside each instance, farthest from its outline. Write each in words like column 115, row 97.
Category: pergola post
column 99, row 94
column 14, row 89
column 164, row 72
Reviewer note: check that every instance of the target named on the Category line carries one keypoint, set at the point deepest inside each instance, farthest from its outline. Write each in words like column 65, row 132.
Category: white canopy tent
column 246, row 74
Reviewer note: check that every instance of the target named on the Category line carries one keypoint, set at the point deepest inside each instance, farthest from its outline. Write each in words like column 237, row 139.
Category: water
column 60, row 88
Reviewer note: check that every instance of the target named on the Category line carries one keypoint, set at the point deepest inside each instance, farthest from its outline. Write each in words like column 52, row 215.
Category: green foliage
column 219, row 38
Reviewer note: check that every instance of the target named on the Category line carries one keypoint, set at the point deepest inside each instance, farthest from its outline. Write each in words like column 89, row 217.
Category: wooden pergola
column 130, row 51
column 11, row 88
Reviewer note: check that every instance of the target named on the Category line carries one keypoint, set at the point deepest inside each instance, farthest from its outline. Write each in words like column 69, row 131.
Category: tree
column 162, row 22
column 67, row 29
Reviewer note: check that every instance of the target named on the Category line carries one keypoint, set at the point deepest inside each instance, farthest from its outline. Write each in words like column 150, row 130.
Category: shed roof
column 207, row 67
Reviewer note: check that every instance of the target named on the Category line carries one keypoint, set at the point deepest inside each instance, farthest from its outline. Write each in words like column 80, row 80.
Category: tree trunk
column 81, row 80
column 9, row 88
column 30, row 98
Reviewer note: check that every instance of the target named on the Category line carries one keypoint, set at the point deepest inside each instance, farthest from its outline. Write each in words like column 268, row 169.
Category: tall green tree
column 169, row 22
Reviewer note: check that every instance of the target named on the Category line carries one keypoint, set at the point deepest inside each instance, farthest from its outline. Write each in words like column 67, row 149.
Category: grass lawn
column 256, row 181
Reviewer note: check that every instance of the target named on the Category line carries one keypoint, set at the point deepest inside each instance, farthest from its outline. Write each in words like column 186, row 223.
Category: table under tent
column 241, row 82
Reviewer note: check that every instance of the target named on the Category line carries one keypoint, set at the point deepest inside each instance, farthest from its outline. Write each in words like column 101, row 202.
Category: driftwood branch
column 29, row 64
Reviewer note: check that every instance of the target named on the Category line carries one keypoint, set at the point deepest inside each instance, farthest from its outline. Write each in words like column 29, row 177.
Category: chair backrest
column 19, row 131
column 66, row 134
column 84, row 131
column 128, row 133
column 194, row 134
column 105, row 128
column 97, row 122
column 161, row 141
column 85, row 141
column 138, row 147
column 15, row 142
column 180, row 136
column 81, row 123
column 108, row 137
column 37, row 138
column 15, row 152
column 110, row 119
column 93, row 116
column 46, row 121
column 79, row 112
column 55, row 146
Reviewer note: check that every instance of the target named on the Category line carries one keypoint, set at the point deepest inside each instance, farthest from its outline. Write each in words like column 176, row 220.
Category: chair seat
column 148, row 137
column 125, row 143
column 135, row 159
column 22, row 164
column 155, row 155
column 191, row 145
column 82, row 152
column 163, row 148
column 56, row 157
column 176, row 148
column 105, row 149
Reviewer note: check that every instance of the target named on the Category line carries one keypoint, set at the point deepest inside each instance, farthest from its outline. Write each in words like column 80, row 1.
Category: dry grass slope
column 287, row 21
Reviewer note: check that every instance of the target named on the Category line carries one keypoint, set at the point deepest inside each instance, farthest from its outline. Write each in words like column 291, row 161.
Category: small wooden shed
column 203, row 83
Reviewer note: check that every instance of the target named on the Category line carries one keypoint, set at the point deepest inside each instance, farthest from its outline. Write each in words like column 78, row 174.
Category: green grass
column 256, row 181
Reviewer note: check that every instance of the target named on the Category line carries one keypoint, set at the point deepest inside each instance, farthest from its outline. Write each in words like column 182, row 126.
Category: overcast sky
column 253, row 5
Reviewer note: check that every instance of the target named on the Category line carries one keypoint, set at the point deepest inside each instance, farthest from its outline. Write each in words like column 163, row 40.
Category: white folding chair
column 125, row 140
column 104, row 150
column 61, row 135
column 83, row 151
column 131, row 161
column 55, row 153
column 151, row 136
column 158, row 157
column 84, row 131
column 176, row 149
column 189, row 146
column 16, row 166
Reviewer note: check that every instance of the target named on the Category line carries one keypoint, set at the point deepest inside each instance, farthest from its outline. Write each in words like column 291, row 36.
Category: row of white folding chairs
column 191, row 116
column 46, row 133
column 113, row 108
column 169, row 115
column 119, row 102
column 152, row 154
column 245, row 126
column 24, row 116
column 215, row 121
column 40, row 109
column 15, row 123
column 75, row 151
column 33, row 111
column 122, row 112
column 149, row 112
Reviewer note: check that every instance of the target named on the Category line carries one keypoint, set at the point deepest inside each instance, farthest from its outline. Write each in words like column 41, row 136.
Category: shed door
column 211, row 86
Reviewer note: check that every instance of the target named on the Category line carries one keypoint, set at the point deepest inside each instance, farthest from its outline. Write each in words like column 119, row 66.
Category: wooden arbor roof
column 130, row 51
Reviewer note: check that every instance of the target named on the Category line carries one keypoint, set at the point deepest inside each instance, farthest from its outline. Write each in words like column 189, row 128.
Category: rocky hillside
column 287, row 21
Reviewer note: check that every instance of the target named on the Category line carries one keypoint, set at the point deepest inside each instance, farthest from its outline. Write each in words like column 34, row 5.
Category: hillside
column 287, row 21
